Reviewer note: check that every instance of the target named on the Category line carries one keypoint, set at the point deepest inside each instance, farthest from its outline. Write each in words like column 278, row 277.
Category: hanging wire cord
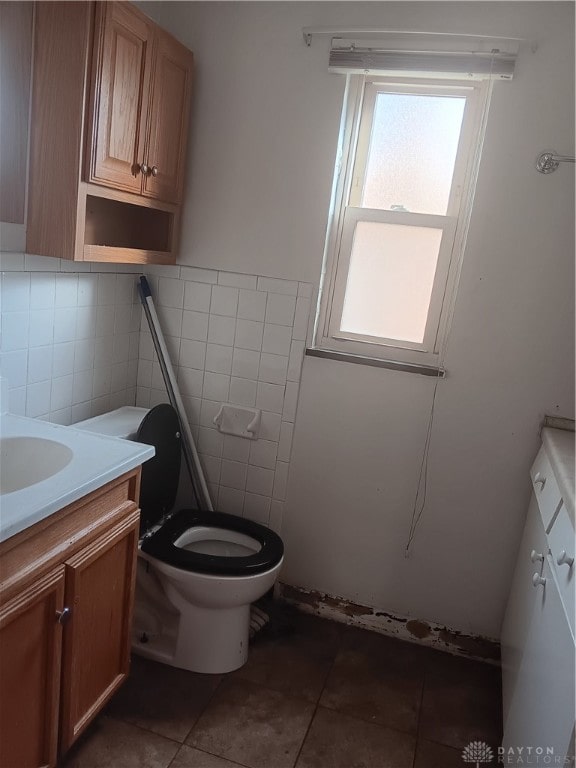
column 418, row 509
column 422, row 487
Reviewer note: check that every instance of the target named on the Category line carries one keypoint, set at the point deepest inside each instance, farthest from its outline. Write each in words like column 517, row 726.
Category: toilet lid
column 160, row 474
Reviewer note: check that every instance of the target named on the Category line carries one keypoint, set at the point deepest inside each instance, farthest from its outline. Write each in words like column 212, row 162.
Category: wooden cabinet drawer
column 28, row 554
column 545, row 488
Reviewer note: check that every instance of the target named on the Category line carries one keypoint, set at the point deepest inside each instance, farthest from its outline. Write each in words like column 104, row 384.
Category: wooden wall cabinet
column 66, row 591
column 110, row 108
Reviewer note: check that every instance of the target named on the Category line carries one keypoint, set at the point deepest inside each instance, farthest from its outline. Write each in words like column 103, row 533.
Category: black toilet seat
column 161, row 545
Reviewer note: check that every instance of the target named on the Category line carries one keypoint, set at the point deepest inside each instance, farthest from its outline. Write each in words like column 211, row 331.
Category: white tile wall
column 242, row 342
column 69, row 340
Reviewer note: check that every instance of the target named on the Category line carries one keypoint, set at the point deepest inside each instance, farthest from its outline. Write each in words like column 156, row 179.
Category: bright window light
column 390, row 281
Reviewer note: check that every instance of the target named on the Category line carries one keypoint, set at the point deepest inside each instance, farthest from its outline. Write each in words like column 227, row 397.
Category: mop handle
column 190, row 453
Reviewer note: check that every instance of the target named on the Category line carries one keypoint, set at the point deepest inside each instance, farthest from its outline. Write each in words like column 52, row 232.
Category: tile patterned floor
column 313, row 694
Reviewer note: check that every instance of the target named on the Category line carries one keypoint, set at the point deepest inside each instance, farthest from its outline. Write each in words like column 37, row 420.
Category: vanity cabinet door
column 30, row 652
column 168, row 119
column 542, row 710
column 123, row 55
column 100, row 583
column 522, row 603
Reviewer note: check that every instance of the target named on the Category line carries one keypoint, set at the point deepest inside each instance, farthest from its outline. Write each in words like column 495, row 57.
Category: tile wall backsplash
column 233, row 339
column 69, row 340
column 75, row 343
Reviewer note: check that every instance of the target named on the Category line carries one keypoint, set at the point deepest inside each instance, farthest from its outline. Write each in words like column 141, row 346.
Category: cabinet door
column 15, row 71
column 521, row 603
column 122, row 56
column 542, row 708
column 96, row 656
column 168, row 119
column 30, row 652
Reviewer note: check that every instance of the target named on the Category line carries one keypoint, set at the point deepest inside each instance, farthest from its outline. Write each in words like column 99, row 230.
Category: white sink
column 25, row 461
column 45, row 467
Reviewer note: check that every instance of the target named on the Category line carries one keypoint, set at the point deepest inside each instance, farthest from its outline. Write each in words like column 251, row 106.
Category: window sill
column 375, row 362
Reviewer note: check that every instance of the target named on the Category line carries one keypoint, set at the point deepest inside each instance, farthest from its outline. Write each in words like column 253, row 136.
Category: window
column 404, row 179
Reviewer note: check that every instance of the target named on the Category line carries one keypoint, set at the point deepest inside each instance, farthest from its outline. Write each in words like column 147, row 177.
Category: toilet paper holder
column 237, row 420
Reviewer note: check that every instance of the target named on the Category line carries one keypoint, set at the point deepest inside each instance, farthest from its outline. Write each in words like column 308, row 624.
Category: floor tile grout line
column 162, row 735
column 204, row 752
column 204, row 708
column 306, row 735
column 317, row 705
column 418, row 720
column 142, row 728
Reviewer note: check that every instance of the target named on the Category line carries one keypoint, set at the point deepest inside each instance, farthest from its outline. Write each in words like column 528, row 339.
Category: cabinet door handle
column 564, row 559
column 144, row 169
column 154, row 170
column 536, row 557
column 63, row 615
column 538, row 580
column 539, row 480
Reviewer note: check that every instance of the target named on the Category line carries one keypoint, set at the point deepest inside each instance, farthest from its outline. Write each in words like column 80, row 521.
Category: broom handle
column 189, row 449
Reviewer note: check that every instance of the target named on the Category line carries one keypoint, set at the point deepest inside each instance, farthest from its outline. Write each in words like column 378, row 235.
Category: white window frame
column 361, row 91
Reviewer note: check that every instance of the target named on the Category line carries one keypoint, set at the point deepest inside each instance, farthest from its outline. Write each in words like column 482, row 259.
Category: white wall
column 265, row 121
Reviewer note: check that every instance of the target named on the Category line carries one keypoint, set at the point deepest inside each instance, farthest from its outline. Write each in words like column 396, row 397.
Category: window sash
column 352, row 217
column 371, row 91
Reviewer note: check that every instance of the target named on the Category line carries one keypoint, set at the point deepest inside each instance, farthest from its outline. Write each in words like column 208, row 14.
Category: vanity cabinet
column 66, row 591
column 140, row 95
column 110, row 105
column 538, row 647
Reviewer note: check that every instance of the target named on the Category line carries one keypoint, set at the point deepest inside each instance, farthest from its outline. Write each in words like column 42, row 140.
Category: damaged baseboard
column 412, row 630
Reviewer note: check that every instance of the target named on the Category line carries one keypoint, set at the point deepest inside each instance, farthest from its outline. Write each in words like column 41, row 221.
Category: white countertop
column 559, row 445
column 96, row 461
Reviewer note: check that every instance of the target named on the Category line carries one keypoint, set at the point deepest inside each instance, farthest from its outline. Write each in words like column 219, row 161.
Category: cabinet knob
column 144, row 169
column 154, row 170
column 538, row 580
column 539, row 480
column 63, row 615
column 536, row 557
column 564, row 559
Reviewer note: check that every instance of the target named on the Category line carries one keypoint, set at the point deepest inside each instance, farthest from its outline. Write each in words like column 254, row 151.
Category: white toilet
column 198, row 572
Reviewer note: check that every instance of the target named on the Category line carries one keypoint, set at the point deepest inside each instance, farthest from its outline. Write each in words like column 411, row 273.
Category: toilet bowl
column 198, row 572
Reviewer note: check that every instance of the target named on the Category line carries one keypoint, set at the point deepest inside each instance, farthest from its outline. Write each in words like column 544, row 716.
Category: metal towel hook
column 548, row 161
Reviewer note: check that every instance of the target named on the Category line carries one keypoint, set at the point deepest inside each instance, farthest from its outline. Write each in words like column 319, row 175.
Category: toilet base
column 205, row 640
column 213, row 641
column 195, row 621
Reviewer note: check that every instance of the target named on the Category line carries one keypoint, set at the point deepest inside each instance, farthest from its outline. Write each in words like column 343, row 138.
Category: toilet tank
column 123, row 422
